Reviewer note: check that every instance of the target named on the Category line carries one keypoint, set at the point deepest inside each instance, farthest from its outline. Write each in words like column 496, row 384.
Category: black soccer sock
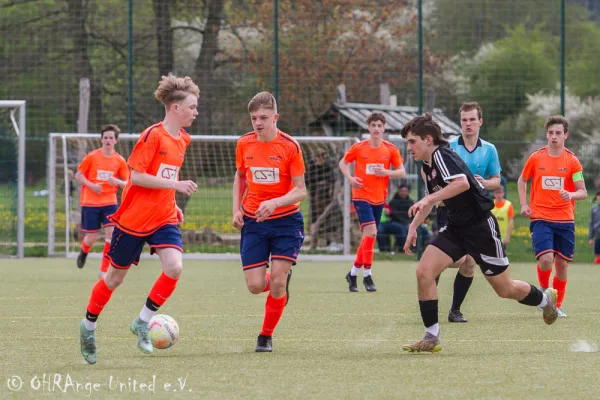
column 461, row 287
column 429, row 312
column 534, row 298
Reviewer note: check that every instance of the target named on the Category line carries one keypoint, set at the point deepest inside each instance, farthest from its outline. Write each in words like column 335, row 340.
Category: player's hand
column 566, row 196
column 591, row 242
column 380, row 171
column 387, row 211
column 505, row 242
column 186, row 187
column 179, row 215
column 112, row 181
column 418, row 206
column 238, row 220
column 525, row 210
column 356, row 182
column 96, row 187
column 411, row 240
column 265, row 209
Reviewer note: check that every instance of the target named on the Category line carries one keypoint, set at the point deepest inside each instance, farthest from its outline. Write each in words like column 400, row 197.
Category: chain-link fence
column 521, row 60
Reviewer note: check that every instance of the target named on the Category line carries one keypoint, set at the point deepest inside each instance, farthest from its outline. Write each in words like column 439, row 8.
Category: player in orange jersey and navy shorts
column 556, row 182
column 270, row 171
column 373, row 158
column 100, row 174
column 148, row 212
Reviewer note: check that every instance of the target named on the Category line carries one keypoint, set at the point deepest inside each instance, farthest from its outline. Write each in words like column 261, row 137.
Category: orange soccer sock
column 105, row 260
column 267, row 282
column 597, row 258
column 98, row 299
column 368, row 251
column 358, row 261
column 85, row 247
column 561, row 288
column 273, row 311
column 543, row 277
column 163, row 289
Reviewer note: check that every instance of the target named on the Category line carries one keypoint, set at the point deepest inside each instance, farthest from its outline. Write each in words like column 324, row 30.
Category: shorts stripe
column 563, row 256
column 541, row 253
column 90, row 230
column 283, row 258
column 495, row 236
column 163, row 246
column 260, row 264
column 115, row 265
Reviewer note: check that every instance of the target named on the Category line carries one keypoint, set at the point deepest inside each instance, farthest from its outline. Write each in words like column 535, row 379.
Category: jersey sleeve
column 511, row 212
column 143, row 153
column 396, row 159
column 123, row 172
column 239, row 158
column 448, row 166
column 576, row 170
column 493, row 167
column 85, row 165
column 297, row 163
column 529, row 168
column 350, row 155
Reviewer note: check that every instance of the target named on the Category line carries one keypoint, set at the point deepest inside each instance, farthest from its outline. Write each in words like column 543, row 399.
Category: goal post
column 207, row 232
column 18, row 125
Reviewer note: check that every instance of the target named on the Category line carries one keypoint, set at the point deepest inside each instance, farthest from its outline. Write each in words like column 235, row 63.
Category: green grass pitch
column 329, row 344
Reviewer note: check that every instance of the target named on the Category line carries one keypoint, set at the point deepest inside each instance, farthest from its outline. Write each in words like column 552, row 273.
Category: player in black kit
column 471, row 229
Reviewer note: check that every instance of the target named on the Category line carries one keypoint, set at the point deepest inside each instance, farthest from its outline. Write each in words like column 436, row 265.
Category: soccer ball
column 163, row 331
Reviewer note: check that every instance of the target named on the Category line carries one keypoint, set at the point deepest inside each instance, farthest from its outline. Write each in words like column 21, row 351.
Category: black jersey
column 466, row 208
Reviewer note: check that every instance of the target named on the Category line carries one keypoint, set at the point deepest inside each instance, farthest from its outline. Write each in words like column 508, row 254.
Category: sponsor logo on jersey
column 265, row 175
column 103, row 175
column 167, row 171
column 552, row 182
column 370, row 168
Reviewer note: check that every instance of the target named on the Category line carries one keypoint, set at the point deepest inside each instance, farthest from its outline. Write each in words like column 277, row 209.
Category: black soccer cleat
column 456, row 316
column 81, row 258
column 351, row 283
column 264, row 344
column 287, row 287
column 369, row 284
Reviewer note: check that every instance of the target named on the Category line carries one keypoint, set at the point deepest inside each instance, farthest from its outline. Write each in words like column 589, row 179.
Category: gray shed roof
column 396, row 116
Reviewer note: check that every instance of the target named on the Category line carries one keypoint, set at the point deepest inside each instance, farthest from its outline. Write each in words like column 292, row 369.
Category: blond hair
column 263, row 100
column 172, row 89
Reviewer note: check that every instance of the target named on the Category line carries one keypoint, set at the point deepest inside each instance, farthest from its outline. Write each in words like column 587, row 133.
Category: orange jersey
column 97, row 168
column 548, row 175
column 144, row 210
column 269, row 168
column 375, row 188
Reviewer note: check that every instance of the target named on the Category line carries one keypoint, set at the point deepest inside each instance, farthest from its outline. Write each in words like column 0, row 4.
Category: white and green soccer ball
column 163, row 331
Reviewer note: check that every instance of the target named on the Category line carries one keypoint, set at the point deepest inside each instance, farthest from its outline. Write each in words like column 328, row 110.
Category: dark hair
column 557, row 120
column 472, row 105
column 403, row 185
column 598, row 193
column 423, row 126
column 376, row 117
column 110, row 127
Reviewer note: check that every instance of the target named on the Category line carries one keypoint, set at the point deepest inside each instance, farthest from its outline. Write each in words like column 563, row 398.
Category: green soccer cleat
column 429, row 344
column 88, row 344
column 550, row 312
column 140, row 329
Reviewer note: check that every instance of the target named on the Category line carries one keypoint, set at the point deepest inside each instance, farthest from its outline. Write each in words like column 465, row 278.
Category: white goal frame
column 53, row 149
column 19, row 127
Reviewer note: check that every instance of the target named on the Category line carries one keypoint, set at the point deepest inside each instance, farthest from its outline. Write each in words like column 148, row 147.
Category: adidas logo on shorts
column 489, row 272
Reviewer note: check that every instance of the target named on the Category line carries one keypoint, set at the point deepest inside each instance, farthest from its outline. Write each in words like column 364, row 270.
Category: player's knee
column 91, row 237
column 173, row 269
column 113, row 280
column 467, row 268
column 545, row 263
column 424, row 274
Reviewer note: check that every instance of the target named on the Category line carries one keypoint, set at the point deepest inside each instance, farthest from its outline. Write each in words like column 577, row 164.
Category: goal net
column 207, row 232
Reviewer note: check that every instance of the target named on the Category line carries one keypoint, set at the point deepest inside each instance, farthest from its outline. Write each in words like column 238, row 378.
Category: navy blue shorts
column 94, row 217
column 368, row 213
column 125, row 249
column 552, row 237
column 278, row 238
column 597, row 246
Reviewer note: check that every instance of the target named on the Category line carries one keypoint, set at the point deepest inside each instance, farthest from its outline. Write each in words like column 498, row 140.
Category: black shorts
column 480, row 240
column 441, row 217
